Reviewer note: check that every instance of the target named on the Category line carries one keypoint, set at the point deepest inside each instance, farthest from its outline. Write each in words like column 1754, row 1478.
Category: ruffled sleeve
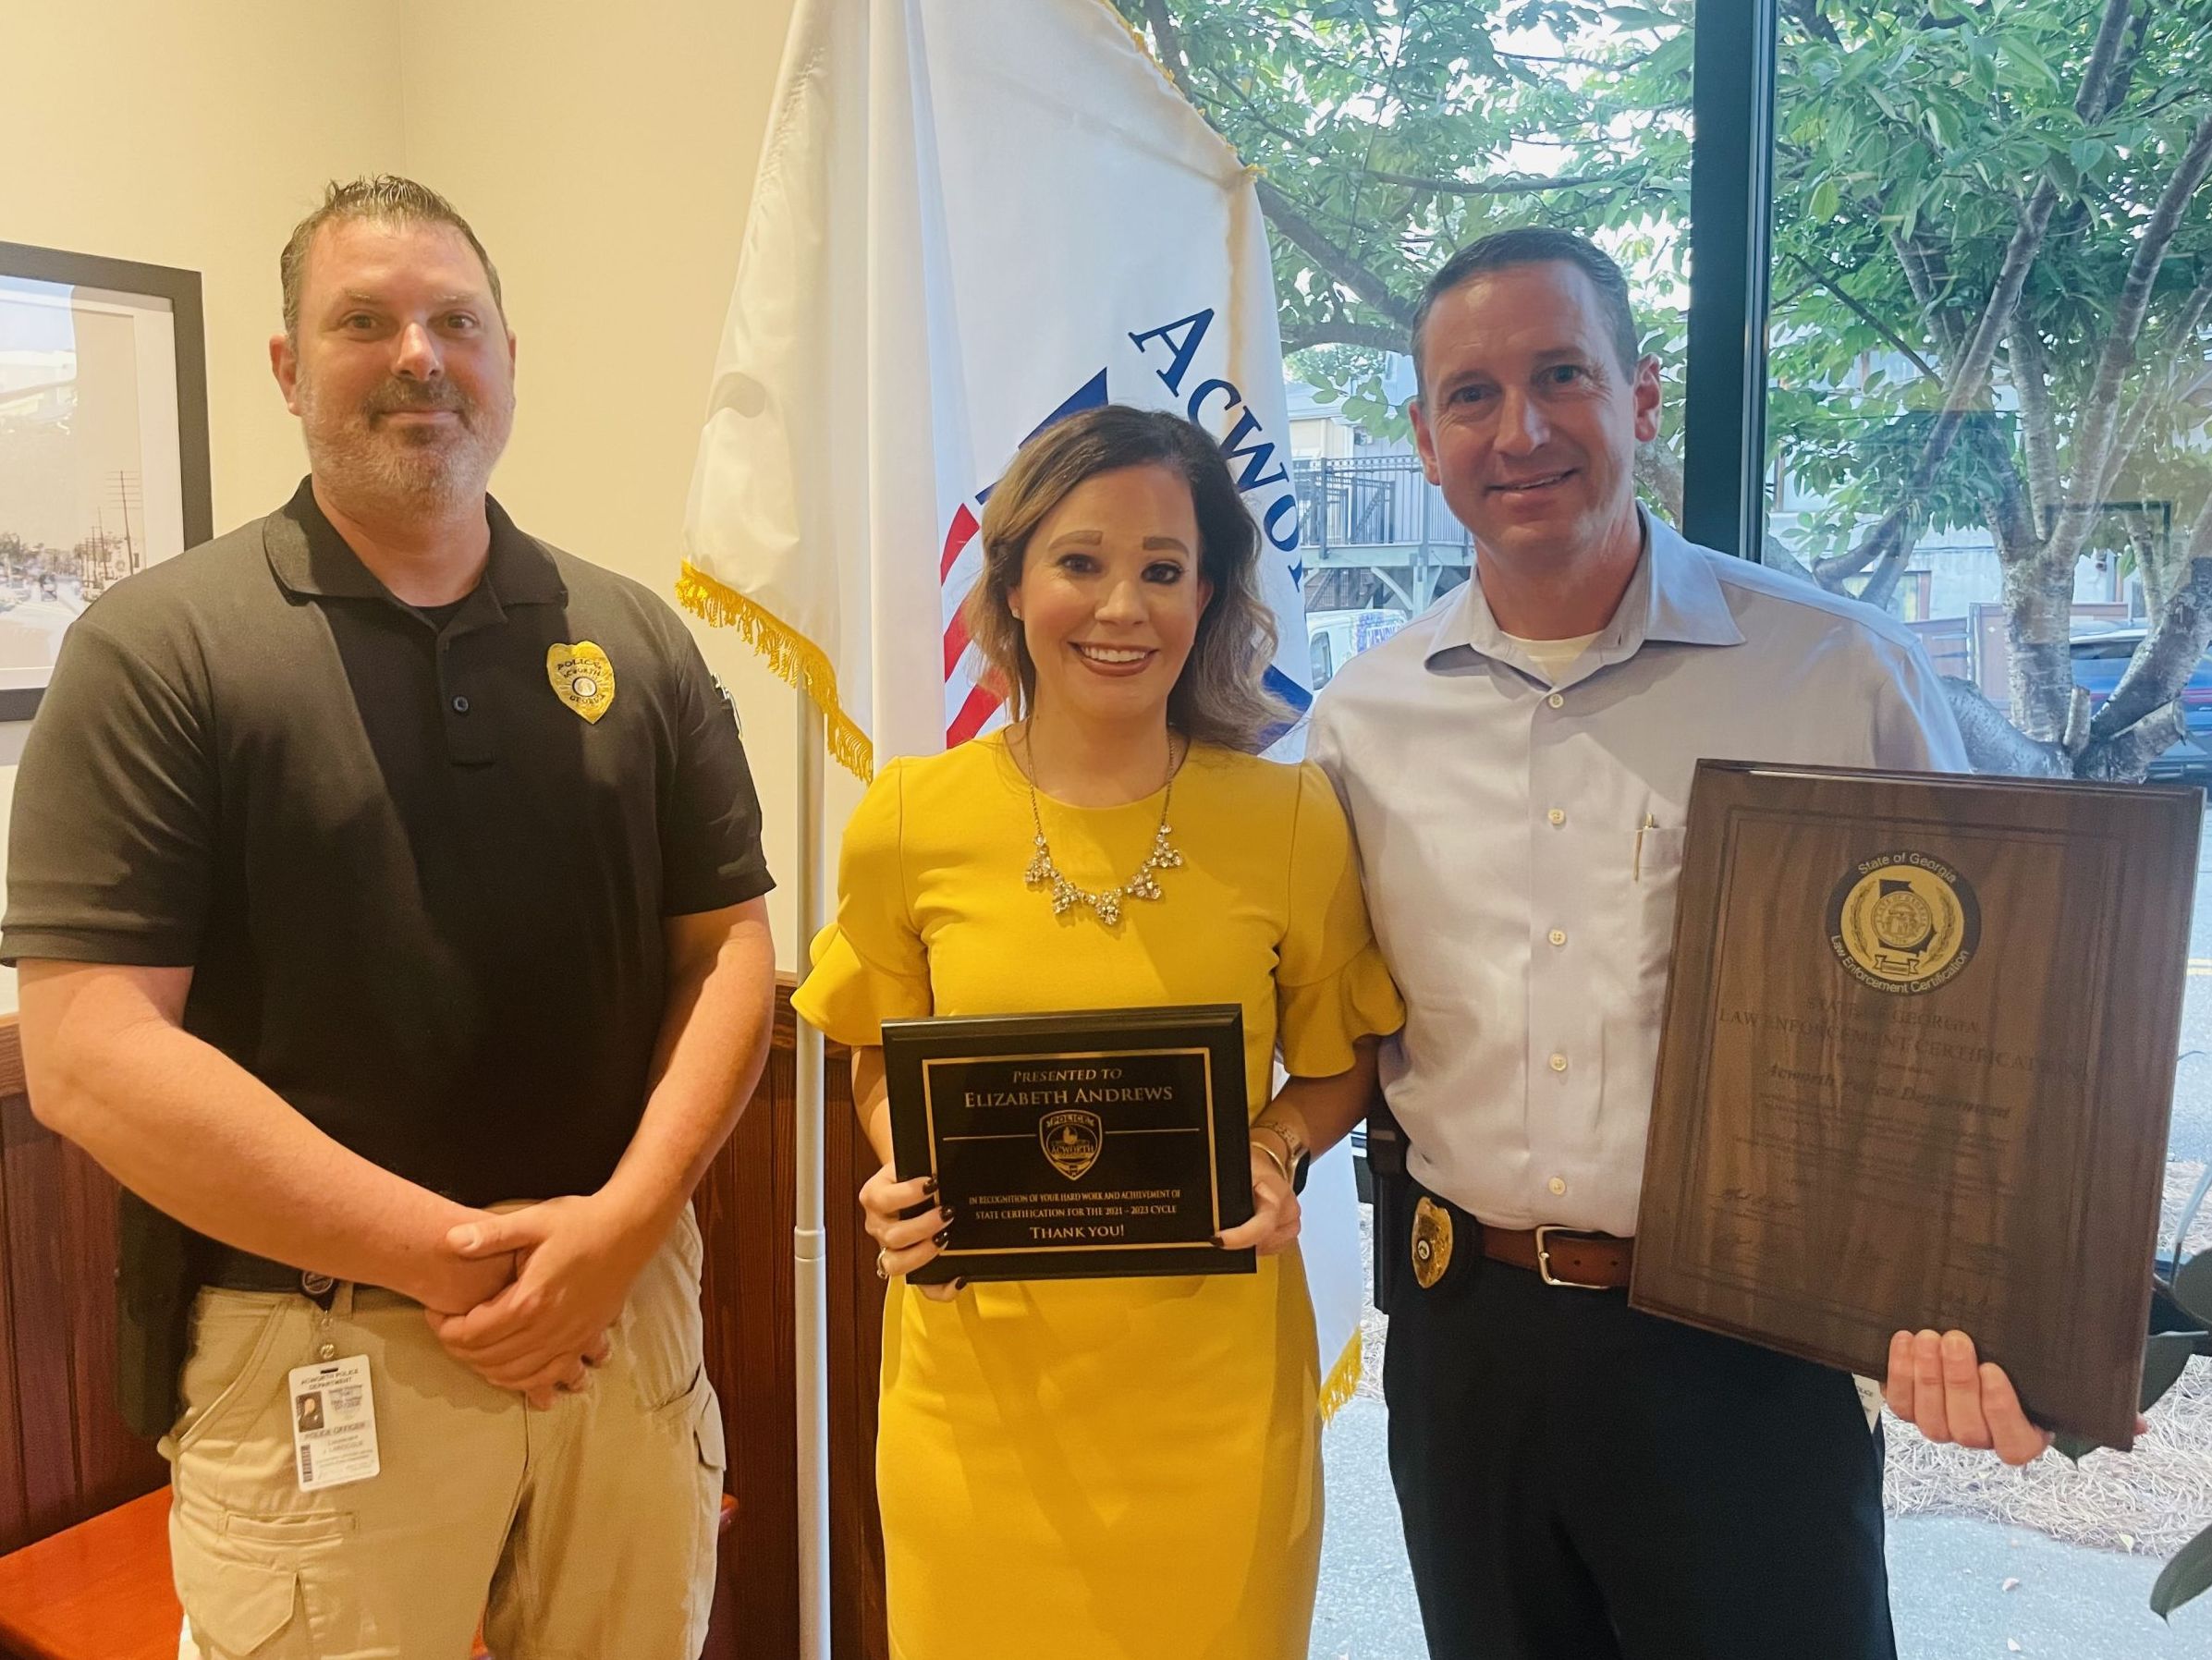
column 1331, row 988
column 869, row 966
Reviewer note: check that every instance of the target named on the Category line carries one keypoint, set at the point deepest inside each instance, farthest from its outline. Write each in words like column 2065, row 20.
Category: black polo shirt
column 422, row 893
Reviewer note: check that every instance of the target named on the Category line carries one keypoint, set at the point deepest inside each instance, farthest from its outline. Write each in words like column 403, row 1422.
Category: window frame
column 1731, row 214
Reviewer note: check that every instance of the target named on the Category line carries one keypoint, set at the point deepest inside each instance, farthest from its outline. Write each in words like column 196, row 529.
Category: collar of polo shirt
column 1674, row 596
column 309, row 557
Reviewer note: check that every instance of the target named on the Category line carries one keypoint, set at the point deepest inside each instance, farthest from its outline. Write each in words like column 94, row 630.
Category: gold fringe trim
column 1343, row 1379
column 1137, row 38
column 795, row 658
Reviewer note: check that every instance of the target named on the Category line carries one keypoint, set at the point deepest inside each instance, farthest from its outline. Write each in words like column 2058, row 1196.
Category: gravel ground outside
column 2146, row 1503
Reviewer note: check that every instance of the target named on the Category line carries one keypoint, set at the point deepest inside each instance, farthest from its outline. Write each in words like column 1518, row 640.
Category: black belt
column 232, row 1270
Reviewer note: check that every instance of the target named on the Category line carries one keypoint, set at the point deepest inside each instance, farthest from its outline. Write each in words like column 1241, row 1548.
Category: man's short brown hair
column 384, row 196
column 1535, row 245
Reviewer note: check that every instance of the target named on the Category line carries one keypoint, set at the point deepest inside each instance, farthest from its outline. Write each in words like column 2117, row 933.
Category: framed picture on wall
column 103, row 460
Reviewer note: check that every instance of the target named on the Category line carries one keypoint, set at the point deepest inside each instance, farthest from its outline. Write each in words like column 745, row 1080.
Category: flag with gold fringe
column 971, row 218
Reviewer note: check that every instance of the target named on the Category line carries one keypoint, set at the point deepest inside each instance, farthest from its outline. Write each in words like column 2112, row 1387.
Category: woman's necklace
column 1043, row 873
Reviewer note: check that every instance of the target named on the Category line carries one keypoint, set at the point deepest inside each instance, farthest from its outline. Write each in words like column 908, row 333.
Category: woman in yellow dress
column 1108, row 1469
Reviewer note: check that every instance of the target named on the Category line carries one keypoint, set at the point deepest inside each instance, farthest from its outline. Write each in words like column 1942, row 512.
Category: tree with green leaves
column 2005, row 204
column 1993, row 266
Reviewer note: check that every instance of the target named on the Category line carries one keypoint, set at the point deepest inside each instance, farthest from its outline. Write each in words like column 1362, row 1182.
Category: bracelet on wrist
column 1269, row 1154
column 1294, row 1149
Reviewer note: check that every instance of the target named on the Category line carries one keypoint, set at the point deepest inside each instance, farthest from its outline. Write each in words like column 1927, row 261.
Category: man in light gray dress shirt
column 1578, row 1481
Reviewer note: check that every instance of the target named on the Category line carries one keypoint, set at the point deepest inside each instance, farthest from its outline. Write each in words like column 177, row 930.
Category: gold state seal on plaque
column 1071, row 1141
column 583, row 678
column 1432, row 1241
column 1904, row 921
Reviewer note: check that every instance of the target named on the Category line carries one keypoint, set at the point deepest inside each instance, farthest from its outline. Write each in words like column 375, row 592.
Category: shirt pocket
column 1654, row 868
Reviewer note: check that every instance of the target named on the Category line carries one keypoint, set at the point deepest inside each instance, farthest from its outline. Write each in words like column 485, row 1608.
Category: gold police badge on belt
column 1432, row 1241
column 583, row 678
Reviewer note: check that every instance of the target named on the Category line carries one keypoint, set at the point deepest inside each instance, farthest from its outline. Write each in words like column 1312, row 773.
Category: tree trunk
column 2038, row 614
column 1659, row 471
column 2163, row 663
column 2161, row 566
column 1881, row 582
column 1993, row 743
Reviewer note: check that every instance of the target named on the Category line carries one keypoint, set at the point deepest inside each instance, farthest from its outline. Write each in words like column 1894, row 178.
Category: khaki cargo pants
column 586, row 1533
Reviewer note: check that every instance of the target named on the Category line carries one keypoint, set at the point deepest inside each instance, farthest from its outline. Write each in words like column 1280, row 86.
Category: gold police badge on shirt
column 583, row 678
column 1432, row 1241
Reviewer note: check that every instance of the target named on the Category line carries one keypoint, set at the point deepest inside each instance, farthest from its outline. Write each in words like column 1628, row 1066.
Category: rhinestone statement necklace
column 1106, row 903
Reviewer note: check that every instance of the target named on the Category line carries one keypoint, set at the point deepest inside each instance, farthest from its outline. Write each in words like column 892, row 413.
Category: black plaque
column 1080, row 1145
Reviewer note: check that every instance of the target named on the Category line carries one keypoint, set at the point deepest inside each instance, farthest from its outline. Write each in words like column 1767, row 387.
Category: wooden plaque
column 1915, row 1070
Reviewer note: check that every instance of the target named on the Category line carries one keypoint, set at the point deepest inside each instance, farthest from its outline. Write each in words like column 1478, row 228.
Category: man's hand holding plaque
column 1939, row 1385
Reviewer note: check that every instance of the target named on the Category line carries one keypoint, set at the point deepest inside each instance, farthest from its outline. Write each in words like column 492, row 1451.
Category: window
column 1986, row 414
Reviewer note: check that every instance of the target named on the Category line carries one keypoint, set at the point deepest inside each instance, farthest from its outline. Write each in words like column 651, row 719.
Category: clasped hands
column 536, row 1291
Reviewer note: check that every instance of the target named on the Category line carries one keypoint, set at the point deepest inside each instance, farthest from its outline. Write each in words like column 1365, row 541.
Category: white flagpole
column 809, row 1267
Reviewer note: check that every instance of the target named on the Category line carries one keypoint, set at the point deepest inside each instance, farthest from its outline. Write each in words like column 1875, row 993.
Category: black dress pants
column 1581, row 1481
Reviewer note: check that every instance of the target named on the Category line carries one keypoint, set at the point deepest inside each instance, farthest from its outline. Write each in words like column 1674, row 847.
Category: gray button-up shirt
column 1521, row 842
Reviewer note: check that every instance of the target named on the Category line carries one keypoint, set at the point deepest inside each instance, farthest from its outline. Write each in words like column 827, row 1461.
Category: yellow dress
column 1113, row 1469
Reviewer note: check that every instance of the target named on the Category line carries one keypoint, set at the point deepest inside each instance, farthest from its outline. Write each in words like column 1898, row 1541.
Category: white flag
column 974, row 217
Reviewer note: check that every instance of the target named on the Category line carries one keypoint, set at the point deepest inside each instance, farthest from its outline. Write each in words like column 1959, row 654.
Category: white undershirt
column 1553, row 656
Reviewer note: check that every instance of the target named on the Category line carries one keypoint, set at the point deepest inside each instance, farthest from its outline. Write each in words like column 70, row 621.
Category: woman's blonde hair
column 1220, row 697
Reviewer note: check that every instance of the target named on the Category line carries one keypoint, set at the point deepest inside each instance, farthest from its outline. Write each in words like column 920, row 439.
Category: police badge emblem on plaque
column 1071, row 1141
column 1904, row 921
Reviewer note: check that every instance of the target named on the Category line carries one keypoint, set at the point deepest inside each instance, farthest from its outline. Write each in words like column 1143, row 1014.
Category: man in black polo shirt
column 373, row 866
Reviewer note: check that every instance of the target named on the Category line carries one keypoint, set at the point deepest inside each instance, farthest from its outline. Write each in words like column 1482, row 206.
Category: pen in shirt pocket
column 1636, row 873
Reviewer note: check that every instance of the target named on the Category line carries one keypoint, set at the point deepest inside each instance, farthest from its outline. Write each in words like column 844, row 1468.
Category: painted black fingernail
column 929, row 1186
column 959, row 1285
column 946, row 1211
column 944, row 1234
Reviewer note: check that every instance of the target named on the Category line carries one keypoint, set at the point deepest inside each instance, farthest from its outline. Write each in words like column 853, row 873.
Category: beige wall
column 605, row 154
column 196, row 136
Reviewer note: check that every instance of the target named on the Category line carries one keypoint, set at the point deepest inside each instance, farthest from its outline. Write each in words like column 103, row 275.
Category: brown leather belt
column 1562, row 1257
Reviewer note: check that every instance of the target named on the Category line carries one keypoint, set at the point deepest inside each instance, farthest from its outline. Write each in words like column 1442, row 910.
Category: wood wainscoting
column 64, row 1454
column 746, row 1213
